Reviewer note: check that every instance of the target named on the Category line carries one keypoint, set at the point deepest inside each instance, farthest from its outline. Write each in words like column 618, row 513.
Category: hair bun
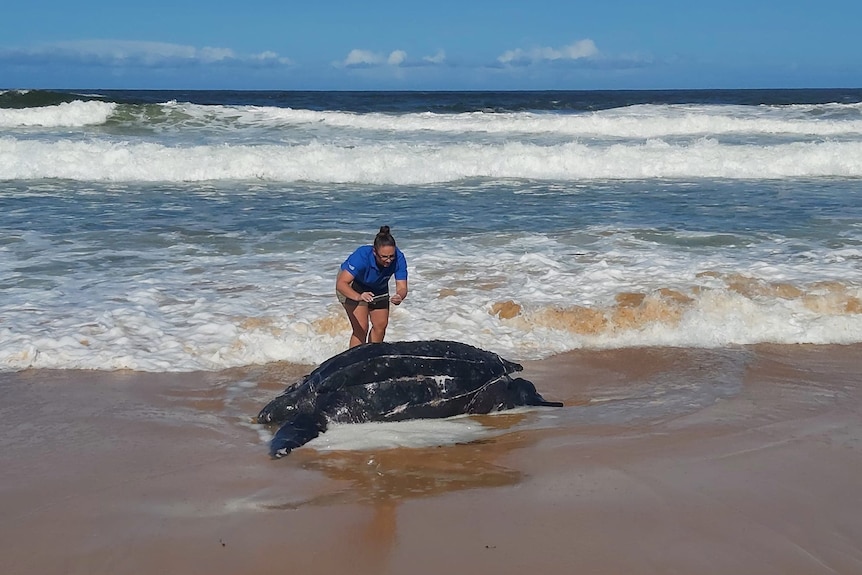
column 384, row 238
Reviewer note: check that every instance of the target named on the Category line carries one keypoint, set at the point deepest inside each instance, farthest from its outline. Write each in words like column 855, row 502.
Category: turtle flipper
column 295, row 433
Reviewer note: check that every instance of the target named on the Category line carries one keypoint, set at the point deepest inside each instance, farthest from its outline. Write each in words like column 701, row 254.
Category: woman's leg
column 379, row 321
column 358, row 316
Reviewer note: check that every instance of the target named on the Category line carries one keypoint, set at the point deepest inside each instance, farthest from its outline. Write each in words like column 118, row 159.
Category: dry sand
column 663, row 461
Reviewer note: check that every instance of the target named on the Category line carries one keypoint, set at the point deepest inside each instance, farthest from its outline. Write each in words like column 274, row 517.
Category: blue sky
column 442, row 45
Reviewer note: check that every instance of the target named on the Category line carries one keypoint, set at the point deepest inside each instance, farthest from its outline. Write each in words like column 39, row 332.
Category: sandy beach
column 725, row 461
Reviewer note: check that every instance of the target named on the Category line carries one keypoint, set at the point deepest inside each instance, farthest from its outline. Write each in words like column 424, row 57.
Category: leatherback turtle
column 394, row 382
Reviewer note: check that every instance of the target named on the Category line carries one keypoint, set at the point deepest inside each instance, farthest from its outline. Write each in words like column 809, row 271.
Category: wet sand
column 663, row 461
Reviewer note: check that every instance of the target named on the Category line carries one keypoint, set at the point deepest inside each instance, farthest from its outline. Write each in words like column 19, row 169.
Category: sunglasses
column 382, row 257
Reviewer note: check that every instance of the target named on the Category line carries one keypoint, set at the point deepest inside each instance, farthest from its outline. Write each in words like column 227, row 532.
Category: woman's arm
column 342, row 286
column 400, row 292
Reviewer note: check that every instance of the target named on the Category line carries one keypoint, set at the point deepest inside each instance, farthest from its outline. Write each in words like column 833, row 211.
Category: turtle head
column 296, row 432
column 525, row 394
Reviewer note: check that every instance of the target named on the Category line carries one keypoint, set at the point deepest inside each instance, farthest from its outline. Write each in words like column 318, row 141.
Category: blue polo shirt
column 362, row 265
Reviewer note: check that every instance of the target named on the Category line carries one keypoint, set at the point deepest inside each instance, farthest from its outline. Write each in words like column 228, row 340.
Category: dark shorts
column 381, row 301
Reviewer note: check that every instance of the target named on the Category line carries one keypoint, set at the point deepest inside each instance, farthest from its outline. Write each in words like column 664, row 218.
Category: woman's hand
column 366, row 296
column 400, row 292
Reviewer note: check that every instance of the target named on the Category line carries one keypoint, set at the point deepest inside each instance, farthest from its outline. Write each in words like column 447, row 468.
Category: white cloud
column 136, row 50
column 208, row 54
column 579, row 50
column 130, row 53
column 358, row 57
column 270, row 56
column 396, row 58
column 437, row 58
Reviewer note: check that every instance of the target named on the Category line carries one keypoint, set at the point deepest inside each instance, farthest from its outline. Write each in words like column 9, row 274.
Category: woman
column 362, row 287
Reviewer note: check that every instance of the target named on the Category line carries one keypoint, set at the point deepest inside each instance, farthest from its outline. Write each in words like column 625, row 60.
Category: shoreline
column 663, row 460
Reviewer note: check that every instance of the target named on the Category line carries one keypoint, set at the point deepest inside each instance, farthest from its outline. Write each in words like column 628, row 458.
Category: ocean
column 168, row 231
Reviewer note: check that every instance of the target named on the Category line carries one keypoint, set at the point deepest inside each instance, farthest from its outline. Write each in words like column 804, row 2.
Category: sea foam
column 417, row 163
column 67, row 114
